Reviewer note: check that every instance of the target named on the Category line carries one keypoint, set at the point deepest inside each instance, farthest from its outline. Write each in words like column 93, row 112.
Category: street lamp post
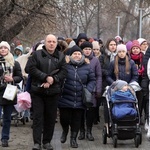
column 78, row 30
column 140, row 23
column 118, row 26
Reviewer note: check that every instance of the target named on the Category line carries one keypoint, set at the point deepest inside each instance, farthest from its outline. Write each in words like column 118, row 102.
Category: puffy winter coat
column 72, row 89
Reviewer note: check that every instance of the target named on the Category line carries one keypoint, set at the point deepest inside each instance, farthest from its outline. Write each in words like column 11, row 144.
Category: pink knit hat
column 121, row 47
column 135, row 43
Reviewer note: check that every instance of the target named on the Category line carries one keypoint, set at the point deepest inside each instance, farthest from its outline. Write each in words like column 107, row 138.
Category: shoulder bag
column 86, row 95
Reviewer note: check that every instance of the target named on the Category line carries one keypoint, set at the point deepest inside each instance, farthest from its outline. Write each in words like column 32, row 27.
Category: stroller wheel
column 104, row 135
column 115, row 141
column 137, row 140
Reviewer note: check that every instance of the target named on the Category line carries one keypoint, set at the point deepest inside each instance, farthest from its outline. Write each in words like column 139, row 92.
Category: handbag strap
column 78, row 77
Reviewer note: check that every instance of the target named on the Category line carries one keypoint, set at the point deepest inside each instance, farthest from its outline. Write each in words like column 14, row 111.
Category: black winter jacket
column 17, row 77
column 41, row 65
column 132, row 76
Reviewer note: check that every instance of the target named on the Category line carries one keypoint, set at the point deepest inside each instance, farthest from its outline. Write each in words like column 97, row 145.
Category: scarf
column 111, row 54
column 9, row 60
column 77, row 63
column 138, row 58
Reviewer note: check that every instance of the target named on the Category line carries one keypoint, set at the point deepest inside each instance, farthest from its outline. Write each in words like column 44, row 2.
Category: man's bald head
column 50, row 43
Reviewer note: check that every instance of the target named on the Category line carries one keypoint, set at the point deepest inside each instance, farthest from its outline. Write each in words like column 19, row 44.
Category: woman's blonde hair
column 116, row 68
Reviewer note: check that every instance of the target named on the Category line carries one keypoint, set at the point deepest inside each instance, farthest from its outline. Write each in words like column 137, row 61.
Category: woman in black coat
column 10, row 72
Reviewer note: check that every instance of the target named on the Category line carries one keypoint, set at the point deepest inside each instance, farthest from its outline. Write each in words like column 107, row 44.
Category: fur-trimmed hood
column 87, row 61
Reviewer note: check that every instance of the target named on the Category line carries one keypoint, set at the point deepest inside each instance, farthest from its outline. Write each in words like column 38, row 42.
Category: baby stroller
column 125, row 127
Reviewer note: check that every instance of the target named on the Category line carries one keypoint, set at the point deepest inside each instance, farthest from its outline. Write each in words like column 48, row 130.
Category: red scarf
column 138, row 57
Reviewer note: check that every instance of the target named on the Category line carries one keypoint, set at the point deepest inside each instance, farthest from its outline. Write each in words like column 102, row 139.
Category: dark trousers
column 88, row 117
column 70, row 117
column 145, row 107
column 7, row 111
column 139, row 96
column 45, row 111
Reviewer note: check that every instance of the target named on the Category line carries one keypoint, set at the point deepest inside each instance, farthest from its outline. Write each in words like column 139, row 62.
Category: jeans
column 7, row 110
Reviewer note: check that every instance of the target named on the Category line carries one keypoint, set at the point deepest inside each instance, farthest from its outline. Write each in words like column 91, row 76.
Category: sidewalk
column 21, row 139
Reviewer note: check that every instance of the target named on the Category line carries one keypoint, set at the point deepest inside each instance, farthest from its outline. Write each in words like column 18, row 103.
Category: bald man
column 47, row 68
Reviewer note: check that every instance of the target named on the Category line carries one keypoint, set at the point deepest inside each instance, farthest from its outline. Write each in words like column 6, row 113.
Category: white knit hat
column 96, row 45
column 121, row 47
column 4, row 43
column 141, row 40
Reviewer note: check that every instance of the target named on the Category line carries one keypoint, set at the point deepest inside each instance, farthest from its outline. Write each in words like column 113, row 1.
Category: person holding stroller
column 122, row 67
column 10, row 72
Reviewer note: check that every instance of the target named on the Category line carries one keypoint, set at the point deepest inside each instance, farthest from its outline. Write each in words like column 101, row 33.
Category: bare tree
column 15, row 15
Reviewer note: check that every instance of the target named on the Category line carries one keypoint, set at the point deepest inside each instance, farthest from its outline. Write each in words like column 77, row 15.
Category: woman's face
column 144, row 46
column 135, row 50
column 121, row 54
column 112, row 46
column 87, row 51
column 76, row 56
column 81, row 41
column 4, row 51
column 96, row 52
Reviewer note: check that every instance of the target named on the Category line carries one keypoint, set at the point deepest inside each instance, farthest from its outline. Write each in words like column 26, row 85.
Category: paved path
column 21, row 139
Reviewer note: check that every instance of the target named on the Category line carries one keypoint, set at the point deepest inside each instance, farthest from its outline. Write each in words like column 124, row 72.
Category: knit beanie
column 120, row 84
column 4, row 43
column 95, row 45
column 141, row 40
column 118, row 37
column 121, row 47
column 135, row 43
column 71, row 44
column 85, row 45
column 128, row 45
column 19, row 47
column 74, row 49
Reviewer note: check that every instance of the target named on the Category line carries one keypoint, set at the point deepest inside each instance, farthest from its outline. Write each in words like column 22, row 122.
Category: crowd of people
column 54, row 70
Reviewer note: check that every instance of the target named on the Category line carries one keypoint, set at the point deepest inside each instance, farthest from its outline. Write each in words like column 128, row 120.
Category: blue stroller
column 122, row 127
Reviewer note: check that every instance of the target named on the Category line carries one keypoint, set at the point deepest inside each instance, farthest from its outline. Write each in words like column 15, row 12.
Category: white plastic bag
column 10, row 92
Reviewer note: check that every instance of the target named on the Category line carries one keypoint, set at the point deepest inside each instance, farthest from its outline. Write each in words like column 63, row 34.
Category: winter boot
column 64, row 135
column 89, row 135
column 73, row 142
column 82, row 135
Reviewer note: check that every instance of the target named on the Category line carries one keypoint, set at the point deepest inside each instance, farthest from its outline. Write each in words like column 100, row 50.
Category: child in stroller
column 123, row 92
column 123, row 114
